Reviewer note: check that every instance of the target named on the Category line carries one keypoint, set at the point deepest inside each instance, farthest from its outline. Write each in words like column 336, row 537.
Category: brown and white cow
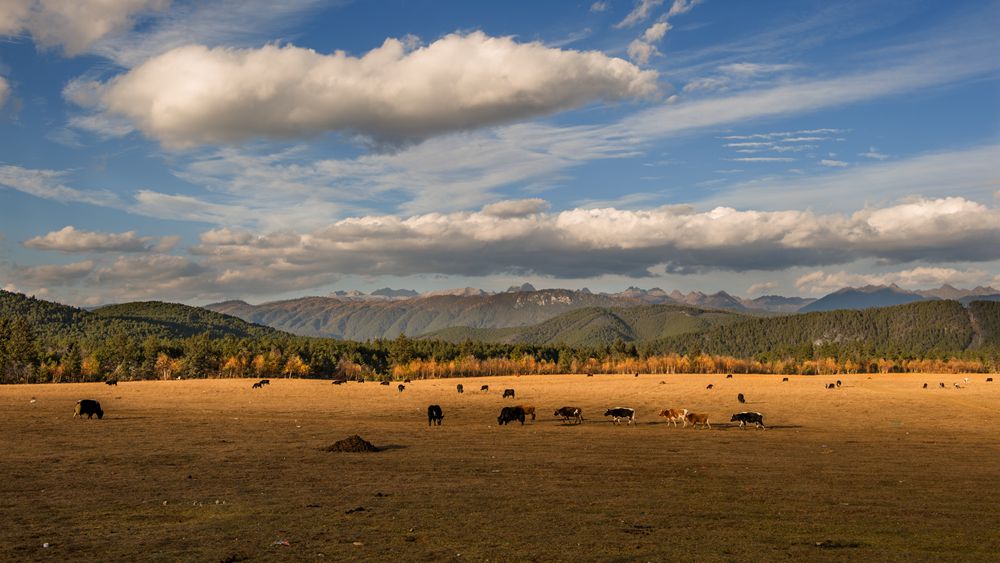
column 674, row 415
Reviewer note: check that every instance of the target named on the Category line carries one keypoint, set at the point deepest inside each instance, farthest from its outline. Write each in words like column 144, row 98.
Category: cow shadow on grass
column 389, row 447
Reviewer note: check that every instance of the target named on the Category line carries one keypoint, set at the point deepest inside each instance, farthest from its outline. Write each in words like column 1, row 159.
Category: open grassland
column 211, row 470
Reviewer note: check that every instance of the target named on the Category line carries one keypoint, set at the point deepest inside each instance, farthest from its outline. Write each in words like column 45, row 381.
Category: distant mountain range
column 479, row 315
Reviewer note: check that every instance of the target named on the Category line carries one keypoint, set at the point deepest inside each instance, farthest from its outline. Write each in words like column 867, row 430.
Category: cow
column 529, row 411
column 434, row 415
column 401, row 387
column 88, row 407
column 484, row 388
column 941, row 385
column 784, row 380
column 710, row 386
column 339, row 381
column 570, row 413
column 111, row 382
column 839, row 383
column 745, row 418
column 925, row 386
column 674, row 416
column 831, row 385
column 989, row 380
column 741, row 398
column 386, row 383
column 406, row 381
column 510, row 414
column 265, row 381
column 957, row 386
column 966, row 380
column 637, row 375
column 256, row 385
column 619, row 413
column 729, row 376
column 695, row 419
column 460, row 388
column 508, row 393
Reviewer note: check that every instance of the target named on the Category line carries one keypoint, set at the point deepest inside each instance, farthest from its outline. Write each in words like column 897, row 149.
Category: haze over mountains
column 470, row 313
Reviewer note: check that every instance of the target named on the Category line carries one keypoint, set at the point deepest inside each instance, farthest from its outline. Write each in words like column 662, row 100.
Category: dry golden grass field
column 877, row 470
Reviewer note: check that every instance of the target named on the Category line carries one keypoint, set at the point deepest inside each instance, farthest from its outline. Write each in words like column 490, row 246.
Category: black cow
column 745, row 418
column 460, row 388
column 831, row 385
column 925, row 386
column 384, row 383
column 637, row 375
column 784, row 379
column 941, row 385
column 256, row 385
column 510, row 414
column 570, row 413
column 729, row 376
column 989, row 380
column 484, row 388
column 111, row 382
column 401, row 387
column 839, row 383
column 618, row 413
column 88, row 407
column 710, row 386
column 265, row 381
column 406, row 381
column 434, row 415
column 339, row 381
column 741, row 398
column 508, row 393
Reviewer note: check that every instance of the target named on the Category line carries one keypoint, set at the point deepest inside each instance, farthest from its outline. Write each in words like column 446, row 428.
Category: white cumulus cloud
column 69, row 239
column 194, row 95
column 73, row 25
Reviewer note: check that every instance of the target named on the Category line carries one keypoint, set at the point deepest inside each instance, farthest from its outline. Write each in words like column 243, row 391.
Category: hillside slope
column 926, row 329
column 598, row 326
column 367, row 320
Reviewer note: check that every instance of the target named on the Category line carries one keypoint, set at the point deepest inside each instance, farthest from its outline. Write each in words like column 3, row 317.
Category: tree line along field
column 212, row 470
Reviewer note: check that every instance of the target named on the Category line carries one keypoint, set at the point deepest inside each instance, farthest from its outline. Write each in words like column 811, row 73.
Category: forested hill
column 930, row 329
column 138, row 320
column 599, row 326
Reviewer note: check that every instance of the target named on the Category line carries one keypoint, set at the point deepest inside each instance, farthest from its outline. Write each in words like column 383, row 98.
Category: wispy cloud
column 833, row 163
column 874, row 154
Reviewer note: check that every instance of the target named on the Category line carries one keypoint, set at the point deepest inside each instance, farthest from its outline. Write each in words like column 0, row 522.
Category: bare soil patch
column 879, row 469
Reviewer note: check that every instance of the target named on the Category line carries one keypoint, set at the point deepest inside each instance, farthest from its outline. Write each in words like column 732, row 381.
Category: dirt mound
column 352, row 444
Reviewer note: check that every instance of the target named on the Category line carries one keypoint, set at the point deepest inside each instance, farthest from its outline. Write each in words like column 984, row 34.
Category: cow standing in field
column 255, row 385
column 784, row 380
column 570, row 413
column 112, row 382
column 510, row 414
column 741, row 398
column 839, row 383
column 710, row 386
column 386, row 383
column 484, row 389
column 831, row 386
column 941, row 385
column 459, row 388
column 434, row 415
column 529, row 411
column 401, row 387
column 88, row 407
column 265, row 382
column 618, row 414
column 989, row 380
column 729, row 376
column 508, row 393
column 674, row 416
column 695, row 419
column 925, row 386
column 745, row 418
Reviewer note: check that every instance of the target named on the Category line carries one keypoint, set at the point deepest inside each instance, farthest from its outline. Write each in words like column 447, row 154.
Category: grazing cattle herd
column 567, row 414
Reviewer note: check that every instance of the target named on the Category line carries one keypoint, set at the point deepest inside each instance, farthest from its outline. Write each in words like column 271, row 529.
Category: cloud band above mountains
column 520, row 237
column 399, row 91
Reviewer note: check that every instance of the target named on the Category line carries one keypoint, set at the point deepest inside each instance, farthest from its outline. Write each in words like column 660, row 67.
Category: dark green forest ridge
column 41, row 341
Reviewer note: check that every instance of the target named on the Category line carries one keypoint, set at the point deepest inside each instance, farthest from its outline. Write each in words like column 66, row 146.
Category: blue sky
column 198, row 151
